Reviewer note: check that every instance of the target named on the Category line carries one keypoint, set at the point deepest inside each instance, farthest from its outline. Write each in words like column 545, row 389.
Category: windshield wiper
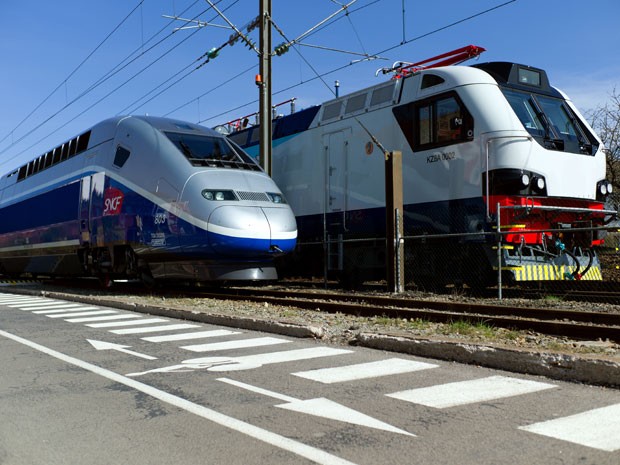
column 552, row 141
column 186, row 150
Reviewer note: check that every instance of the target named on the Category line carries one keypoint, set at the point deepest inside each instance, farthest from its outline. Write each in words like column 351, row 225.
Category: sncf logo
column 112, row 201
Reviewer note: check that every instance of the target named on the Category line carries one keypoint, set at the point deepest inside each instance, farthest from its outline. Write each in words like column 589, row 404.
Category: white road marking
column 187, row 336
column 11, row 302
column 258, row 390
column 127, row 323
column 469, row 392
column 598, row 428
column 153, row 329
column 64, row 310
column 102, row 318
column 276, row 440
column 101, row 345
column 42, row 305
column 247, row 362
column 239, row 344
column 88, row 313
column 321, row 407
column 391, row 366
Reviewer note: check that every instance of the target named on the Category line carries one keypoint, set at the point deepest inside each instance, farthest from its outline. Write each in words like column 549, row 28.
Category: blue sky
column 68, row 64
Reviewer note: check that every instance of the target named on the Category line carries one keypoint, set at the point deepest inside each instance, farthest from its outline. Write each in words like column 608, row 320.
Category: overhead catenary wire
column 340, row 68
column 75, row 70
column 287, row 89
column 97, row 83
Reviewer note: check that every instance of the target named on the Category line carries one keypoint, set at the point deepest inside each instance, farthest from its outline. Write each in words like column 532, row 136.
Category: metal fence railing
column 529, row 246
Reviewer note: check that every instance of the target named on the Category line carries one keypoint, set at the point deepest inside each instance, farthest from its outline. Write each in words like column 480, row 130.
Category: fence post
column 499, row 253
column 395, row 254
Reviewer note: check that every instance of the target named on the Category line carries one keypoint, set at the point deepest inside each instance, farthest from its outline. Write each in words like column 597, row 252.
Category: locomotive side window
column 436, row 122
column 121, row 156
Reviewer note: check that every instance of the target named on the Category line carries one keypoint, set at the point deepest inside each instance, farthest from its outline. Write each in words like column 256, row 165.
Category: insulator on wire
column 281, row 49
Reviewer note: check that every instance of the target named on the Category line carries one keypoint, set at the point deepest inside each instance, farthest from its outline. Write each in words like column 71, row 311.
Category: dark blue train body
column 144, row 197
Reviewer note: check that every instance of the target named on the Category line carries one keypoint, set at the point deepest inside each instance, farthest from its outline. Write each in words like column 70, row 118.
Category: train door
column 85, row 211
column 96, row 210
column 336, row 146
column 336, row 154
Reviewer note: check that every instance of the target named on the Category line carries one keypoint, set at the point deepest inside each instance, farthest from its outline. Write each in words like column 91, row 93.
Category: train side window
column 435, row 122
column 49, row 156
column 355, row 103
column 57, row 152
column 82, row 142
column 430, row 80
column 331, row 111
column 65, row 151
column 72, row 147
column 121, row 156
column 22, row 172
column 382, row 94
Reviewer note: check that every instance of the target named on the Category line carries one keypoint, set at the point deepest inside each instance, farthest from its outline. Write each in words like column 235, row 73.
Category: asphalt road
column 90, row 385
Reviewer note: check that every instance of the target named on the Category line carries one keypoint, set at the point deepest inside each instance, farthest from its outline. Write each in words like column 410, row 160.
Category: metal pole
column 395, row 268
column 264, row 83
column 499, row 254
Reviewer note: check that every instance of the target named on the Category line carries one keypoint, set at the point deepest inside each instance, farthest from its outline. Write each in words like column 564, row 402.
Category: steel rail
column 568, row 323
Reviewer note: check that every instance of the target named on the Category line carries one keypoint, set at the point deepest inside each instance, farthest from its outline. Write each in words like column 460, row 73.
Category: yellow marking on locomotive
column 511, row 226
column 551, row 273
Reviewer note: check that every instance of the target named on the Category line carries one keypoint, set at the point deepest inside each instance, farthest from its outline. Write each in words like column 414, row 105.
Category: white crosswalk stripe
column 377, row 369
column 42, row 305
column 87, row 313
column 112, row 324
column 64, row 310
column 237, row 344
column 598, row 428
column 469, row 392
column 188, row 336
column 102, row 318
column 153, row 329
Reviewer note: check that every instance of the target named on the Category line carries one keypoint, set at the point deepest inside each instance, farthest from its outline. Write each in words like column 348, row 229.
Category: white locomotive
column 473, row 138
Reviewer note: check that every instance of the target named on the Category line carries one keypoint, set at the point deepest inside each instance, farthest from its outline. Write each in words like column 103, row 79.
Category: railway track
column 574, row 324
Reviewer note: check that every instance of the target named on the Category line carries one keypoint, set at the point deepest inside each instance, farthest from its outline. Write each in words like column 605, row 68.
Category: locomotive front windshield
column 551, row 122
column 203, row 150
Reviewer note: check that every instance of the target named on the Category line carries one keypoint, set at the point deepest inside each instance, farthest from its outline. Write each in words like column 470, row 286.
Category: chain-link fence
column 465, row 246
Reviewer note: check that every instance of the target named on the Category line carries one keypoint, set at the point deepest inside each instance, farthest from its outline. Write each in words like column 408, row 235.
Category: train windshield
column 203, row 150
column 552, row 122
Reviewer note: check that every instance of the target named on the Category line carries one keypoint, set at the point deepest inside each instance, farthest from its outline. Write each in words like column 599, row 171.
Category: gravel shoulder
column 595, row 362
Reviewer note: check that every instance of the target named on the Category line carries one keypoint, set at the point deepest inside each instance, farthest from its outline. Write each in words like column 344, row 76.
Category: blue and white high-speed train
column 144, row 197
column 471, row 138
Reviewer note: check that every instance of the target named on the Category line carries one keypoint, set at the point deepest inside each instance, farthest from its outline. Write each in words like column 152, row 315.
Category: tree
column 606, row 122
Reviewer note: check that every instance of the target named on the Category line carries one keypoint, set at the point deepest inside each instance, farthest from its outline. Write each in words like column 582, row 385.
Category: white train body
column 470, row 137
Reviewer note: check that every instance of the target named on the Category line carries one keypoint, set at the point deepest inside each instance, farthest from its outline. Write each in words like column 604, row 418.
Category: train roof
column 97, row 134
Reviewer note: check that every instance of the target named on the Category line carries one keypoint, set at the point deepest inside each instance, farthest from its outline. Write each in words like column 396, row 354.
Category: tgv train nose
column 246, row 231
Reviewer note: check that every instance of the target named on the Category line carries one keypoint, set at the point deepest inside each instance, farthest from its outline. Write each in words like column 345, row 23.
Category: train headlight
column 603, row 189
column 525, row 179
column 511, row 181
column 219, row 195
column 276, row 198
column 539, row 183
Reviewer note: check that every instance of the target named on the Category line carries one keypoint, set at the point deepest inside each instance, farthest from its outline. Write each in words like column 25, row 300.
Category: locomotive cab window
column 551, row 122
column 435, row 122
column 202, row 150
